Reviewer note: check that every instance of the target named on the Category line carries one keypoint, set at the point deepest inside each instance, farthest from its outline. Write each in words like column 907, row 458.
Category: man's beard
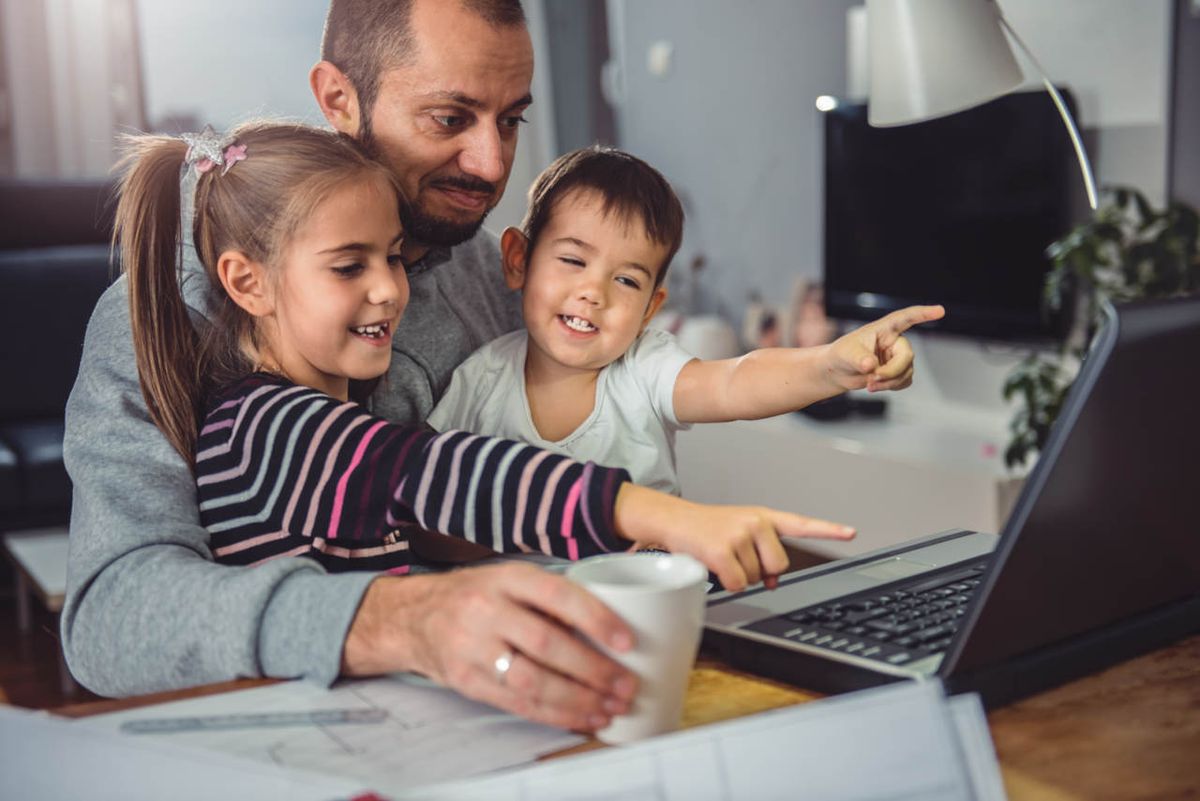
column 419, row 225
column 429, row 229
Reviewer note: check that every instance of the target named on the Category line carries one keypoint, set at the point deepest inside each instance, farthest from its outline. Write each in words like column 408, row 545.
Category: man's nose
column 483, row 154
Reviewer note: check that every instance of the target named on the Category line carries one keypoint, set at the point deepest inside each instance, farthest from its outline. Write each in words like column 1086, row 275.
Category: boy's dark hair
column 630, row 188
column 365, row 38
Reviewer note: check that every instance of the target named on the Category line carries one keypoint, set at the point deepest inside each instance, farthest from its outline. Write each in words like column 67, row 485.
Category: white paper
column 431, row 734
column 50, row 759
column 897, row 743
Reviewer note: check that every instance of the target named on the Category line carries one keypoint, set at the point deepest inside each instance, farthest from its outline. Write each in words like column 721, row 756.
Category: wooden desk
column 1131, row 732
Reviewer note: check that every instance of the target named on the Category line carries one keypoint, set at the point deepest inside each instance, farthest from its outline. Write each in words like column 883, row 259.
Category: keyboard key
column 900, row 658
column 823, row 639
column 857, row 630
column 838, row 643
column 833, row 625
column 792, row 634
column 854, row 647
column 812, row 635
column 874, row 649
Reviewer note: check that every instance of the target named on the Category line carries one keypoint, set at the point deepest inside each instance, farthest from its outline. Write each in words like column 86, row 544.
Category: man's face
column 446, row 122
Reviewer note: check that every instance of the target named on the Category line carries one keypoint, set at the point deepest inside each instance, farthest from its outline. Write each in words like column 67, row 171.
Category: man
column 436, row 88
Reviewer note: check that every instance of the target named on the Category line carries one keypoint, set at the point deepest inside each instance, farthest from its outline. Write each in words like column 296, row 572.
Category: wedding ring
column 502, row 665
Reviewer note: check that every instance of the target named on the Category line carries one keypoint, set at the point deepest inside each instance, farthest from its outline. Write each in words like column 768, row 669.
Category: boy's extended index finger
column 900, row 321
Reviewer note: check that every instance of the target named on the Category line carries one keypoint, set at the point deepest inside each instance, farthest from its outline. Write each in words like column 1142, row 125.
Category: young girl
column 299, row 233
column 587, row 379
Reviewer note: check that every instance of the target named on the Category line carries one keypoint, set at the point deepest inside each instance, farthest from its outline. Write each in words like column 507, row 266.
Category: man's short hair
column 628, row 187
column 365, row 38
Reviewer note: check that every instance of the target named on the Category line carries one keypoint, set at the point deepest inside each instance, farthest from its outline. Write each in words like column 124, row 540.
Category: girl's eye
column 394, row 261
column 348, row 270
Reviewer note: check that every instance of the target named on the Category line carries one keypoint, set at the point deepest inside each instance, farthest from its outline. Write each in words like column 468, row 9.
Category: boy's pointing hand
column 877, row 357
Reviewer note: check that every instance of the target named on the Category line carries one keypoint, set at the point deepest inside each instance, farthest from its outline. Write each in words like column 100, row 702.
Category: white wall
column 733, row 125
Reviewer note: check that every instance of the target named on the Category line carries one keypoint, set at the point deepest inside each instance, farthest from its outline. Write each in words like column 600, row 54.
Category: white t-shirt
column 632, row 424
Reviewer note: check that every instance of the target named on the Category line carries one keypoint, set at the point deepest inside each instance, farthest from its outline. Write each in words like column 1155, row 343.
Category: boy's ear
column 336, row 97
column 245, row 281
column 657, row 299
column 514, row 252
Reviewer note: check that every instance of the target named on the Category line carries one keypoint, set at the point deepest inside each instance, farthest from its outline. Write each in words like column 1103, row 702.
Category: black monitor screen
column 957, row 211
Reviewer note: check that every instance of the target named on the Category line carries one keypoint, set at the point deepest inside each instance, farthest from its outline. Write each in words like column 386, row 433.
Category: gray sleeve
column 147, row 609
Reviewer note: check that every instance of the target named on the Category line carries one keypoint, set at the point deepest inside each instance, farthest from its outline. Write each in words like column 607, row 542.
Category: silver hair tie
column 208, row 149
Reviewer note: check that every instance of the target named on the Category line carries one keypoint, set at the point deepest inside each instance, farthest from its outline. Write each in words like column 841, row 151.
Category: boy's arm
column 774, row 381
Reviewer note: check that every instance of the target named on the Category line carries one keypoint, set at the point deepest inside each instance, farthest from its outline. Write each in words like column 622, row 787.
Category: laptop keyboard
column 897, row 624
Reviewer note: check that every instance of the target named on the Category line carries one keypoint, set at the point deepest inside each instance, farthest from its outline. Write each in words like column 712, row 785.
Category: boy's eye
column 348, row 270
column 629, row 282
column 571, row 260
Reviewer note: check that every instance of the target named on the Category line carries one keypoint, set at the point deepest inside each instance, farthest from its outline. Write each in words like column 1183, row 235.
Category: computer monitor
column 957, row 210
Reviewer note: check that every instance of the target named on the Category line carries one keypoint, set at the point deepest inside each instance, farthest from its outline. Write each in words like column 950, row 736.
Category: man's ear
column 245, row 281
column 657, row 299
column 336, row 97
column 514, row 252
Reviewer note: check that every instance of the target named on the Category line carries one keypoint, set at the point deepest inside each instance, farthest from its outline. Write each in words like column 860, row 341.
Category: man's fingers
column 569, row 603
column 531, row 691
column 793, row 525
column 547, row 643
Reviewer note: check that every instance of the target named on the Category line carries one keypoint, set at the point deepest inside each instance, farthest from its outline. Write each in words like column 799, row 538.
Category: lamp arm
column 1089, row 183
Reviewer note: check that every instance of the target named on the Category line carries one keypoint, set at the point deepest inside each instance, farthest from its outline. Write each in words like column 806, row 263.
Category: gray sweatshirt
column 147, row 609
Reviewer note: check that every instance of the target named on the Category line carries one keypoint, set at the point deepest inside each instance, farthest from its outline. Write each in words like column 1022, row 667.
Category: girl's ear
column 245, row 281
column 657, row 299
column 336, row 97
column 514, row 252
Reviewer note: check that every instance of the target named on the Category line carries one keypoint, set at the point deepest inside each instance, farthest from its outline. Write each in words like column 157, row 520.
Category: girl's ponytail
column 147, row 233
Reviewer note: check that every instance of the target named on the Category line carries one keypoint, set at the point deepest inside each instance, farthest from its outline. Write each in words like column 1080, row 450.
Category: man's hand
column 453, row 627
column 738, row 543
column 876, row 356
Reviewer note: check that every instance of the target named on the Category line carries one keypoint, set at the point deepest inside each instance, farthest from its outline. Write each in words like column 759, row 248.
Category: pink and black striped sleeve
column 294, row 471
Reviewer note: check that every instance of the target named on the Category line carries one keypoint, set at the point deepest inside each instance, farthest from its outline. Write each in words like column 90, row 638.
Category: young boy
column 587, row 379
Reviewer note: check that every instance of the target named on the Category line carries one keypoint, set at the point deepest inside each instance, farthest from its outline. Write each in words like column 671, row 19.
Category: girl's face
column 341, row 290
column 588, row 286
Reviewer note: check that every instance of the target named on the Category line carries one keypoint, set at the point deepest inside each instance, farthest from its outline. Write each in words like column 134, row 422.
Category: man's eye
column 449, row 120
column 513, row 122
column 348, row 270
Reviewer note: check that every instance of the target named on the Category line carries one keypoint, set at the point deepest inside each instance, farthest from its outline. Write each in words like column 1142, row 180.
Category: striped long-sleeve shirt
column 285, row 470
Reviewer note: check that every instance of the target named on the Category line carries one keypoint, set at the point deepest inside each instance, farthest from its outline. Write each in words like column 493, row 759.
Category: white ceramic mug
column 661, row 597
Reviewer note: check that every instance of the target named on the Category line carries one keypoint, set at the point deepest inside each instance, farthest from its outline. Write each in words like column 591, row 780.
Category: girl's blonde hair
column 254, row 207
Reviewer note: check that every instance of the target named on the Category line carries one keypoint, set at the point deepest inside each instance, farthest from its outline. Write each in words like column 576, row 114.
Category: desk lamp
column 930, row 58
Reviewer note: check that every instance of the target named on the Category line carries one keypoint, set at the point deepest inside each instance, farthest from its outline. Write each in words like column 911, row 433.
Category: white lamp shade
column 930, row 58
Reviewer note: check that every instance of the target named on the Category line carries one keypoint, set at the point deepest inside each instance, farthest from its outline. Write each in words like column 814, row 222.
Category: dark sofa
column 54, row 265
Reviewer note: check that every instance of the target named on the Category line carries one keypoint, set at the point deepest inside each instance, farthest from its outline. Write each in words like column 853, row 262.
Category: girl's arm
column 772, row 381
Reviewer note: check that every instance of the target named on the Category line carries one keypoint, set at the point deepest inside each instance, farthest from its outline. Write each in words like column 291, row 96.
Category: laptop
column 1099, row 560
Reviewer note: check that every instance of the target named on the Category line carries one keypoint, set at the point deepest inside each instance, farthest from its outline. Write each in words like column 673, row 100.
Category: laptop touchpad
column 892, row 569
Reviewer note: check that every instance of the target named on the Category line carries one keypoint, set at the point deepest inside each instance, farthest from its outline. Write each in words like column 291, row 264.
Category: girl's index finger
column 896, row 323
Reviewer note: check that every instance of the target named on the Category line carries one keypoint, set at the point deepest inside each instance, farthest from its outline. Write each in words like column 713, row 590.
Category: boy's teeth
column 578, row 324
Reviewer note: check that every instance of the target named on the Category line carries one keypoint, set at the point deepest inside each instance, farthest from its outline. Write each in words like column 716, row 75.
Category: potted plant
column 1127, row 251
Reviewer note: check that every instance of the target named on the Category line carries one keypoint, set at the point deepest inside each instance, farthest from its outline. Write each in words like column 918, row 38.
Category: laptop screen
column 1106, row 527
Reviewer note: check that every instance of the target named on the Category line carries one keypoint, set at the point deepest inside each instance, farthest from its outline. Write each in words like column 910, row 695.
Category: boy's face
column 588, row 285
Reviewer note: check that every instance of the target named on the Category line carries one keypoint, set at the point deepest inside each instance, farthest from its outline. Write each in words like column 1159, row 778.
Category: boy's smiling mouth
column 577, row 324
